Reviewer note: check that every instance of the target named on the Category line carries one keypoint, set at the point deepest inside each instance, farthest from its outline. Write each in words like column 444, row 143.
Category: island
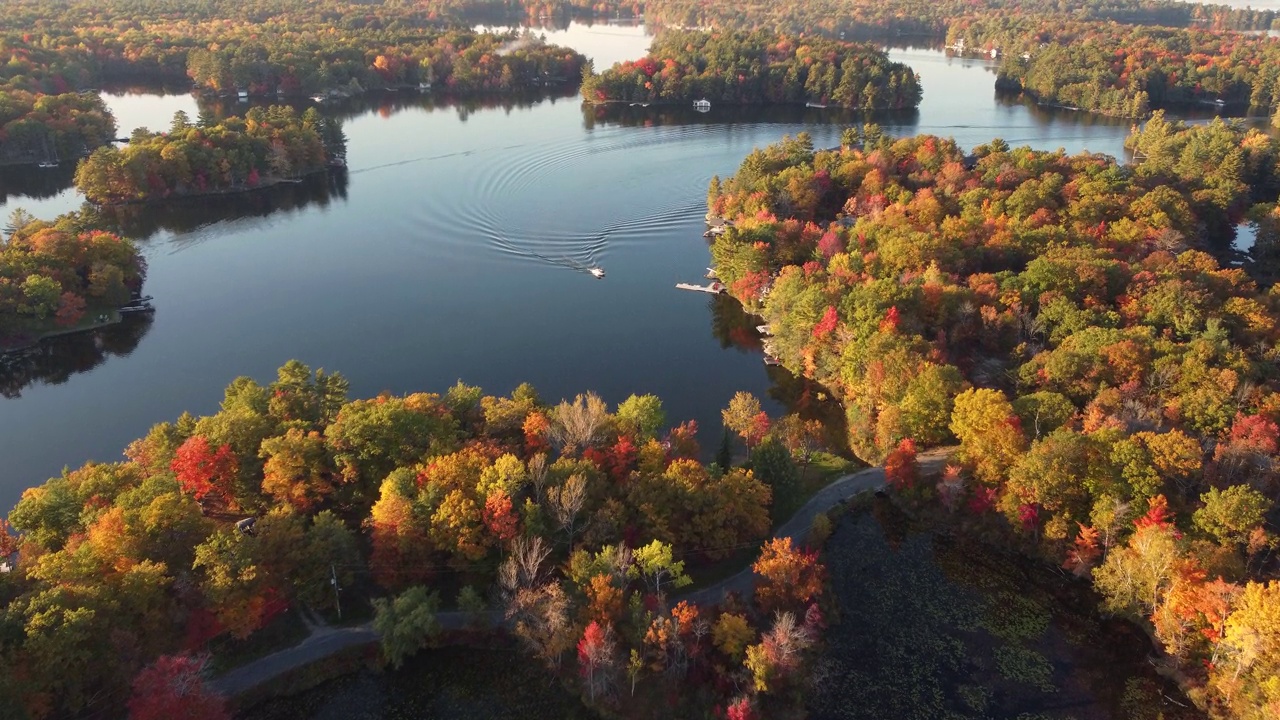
column 741, row 68
column 65, row 276
column 265, row 147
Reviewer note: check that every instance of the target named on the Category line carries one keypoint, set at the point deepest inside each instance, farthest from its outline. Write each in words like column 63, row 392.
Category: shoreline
column 114, row 317
column 266, row 184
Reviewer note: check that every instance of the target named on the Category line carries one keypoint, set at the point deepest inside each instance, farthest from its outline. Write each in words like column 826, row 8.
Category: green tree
column 406, row 623
column 1230, row 515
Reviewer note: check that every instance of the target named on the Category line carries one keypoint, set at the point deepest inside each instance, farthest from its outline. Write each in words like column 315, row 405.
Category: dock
column 714, row 288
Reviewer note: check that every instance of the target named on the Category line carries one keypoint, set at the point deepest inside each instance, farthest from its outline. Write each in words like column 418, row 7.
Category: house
column 702, row 105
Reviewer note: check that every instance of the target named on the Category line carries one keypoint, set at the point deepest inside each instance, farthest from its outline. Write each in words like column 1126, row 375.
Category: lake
column 455, row 248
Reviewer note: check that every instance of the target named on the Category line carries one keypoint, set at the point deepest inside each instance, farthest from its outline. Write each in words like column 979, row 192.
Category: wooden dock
column 714, row 288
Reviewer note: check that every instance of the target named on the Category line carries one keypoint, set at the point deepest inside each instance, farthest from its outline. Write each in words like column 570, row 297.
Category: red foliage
column 203, row 471
column 759, row 428
column 827, row 324
column 830, row 244
column 984, row 498
column 202, row 626
column 499, row 517
column 682, row 441
column 536, row 426
column 751, row 285
column 621, row 459
column 172, row 687
column 1158, row 514
column 1256, row 433
column 741, row 709
column 901, row 469
column 1029, row 515
column 70, row 309
column 891, row 320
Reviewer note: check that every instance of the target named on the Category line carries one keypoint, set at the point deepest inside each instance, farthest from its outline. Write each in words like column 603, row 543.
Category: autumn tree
column 731, row 634
column 173, row 687
column 655, row 565
column 745, row 417
column 990, row 433
column 641, row 416
column 204, row 471
column 901, row 469
column 597, row 658
column 789, row 576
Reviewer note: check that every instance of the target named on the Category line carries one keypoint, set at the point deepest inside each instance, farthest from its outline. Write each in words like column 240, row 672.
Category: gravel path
column 325, row 641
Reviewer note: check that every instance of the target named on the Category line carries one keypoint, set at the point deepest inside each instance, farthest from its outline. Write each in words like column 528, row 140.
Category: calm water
column 454, row 250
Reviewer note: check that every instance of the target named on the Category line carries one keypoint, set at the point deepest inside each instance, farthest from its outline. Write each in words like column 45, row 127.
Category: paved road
column 797, row 528
column 326, row 641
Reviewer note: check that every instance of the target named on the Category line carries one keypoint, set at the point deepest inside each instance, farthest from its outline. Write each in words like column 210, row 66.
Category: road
column 326, row 641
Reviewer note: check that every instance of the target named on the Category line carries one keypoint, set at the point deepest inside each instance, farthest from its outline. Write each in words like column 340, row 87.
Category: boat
column 143, row 308
column 763, row 329
column 597, row 272
column 318, row 98
column 50, row 159
column 711, row 274
column 702, row 105
column 771, row 361
column 815, row 105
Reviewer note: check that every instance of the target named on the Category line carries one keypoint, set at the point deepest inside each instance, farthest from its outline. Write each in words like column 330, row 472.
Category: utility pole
column 333, row 580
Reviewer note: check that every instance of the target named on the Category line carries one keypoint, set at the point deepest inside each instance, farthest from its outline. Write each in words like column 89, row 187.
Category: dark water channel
column 454, row 248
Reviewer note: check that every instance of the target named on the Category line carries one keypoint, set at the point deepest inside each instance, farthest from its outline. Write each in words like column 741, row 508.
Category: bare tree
column 579, row 424
column 538, row 473
column 523, row 567
column 567, row 501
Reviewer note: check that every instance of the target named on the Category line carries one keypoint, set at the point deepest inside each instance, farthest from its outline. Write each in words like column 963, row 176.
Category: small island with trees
column 62, row 277
column 742, row 68
column 265, row 147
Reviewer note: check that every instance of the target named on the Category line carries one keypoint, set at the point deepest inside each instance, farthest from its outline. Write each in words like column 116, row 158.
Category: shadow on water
column 735, row 328
column 54, row 361
column 187, row 215
column 932, row 626
column 387, row 102
column 656, row 115
column 18, row 181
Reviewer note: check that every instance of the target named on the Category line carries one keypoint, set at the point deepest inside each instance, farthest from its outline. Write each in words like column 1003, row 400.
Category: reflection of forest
column 628, row 115
column 54, row 361
column 735, row 328
column 33, row 182
column 185, row 215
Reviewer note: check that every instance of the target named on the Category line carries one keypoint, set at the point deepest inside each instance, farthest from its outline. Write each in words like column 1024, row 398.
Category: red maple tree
column 203, row 471
column 173, row 687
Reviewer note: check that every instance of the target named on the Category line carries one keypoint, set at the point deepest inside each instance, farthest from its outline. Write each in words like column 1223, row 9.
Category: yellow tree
column 990, row 434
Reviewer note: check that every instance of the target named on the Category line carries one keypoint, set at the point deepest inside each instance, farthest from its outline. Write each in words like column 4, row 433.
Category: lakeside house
column 702, row 105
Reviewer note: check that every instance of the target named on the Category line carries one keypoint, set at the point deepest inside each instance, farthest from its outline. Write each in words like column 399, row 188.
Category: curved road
column 326, row 641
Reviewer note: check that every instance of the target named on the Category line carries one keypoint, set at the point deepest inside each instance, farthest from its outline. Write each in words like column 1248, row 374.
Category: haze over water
column 455, row 249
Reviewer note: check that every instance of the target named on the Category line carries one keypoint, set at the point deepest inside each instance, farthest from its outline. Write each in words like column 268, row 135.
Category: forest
column 749, row 68
column 1126, row 71
column 875, row 19
column 264, row 147
column 53, row 275
column 1112, row 387
column 579, row 524
column 59, row 53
